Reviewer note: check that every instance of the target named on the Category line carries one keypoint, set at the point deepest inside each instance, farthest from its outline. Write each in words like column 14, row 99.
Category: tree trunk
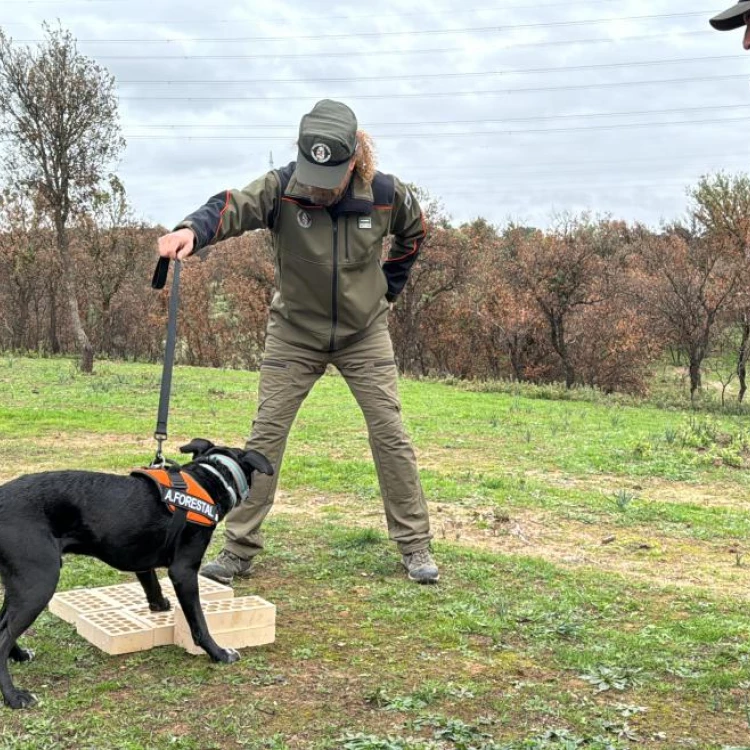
column 85, row 348
column 557, row 325
column 695, row 376
column 516, row 360
column 54, row 339
column 744, row 353
column 570, row 375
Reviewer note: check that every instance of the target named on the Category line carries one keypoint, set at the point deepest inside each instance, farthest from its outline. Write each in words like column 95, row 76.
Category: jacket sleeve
column 409, row 231
column 234, row 212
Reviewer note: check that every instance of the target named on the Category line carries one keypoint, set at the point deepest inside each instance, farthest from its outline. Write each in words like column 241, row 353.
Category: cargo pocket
column 276, row 364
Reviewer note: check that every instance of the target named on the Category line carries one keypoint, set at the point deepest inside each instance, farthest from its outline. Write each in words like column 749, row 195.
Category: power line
column 461, row 134
column 439, row 50
column 327, row 18
column 507, row 165
column 443, row 94
column 538, row 187
column 480, row 74
column 421, row 123
column 360, row 34
column 432, row 51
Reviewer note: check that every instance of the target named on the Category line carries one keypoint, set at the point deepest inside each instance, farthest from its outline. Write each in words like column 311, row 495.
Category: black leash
column 157, row 282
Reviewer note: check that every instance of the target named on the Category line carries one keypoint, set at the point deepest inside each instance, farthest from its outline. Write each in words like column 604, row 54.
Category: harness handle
column 157, row 282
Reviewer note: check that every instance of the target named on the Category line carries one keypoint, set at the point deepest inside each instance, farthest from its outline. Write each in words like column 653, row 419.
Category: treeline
column 588, row 302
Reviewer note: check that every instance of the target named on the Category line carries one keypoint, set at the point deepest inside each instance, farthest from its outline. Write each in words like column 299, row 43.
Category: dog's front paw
column 22, row 654
column 228, row 656
column 21, row 699
column 160, row 606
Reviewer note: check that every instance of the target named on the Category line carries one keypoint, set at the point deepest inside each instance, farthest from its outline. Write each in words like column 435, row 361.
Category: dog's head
column 250, row 461
column 226, row 459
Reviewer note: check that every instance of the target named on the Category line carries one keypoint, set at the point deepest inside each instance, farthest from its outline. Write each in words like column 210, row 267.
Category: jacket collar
column 358, row 198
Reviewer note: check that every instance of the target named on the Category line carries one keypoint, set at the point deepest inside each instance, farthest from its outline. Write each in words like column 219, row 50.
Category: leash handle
column 160, row 274
column 159, row 278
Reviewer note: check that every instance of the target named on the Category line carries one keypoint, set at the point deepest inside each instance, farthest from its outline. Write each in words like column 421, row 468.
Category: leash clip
column 159, row 461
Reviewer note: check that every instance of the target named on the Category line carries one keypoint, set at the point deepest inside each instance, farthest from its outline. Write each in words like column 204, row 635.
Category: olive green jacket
column 332, row 285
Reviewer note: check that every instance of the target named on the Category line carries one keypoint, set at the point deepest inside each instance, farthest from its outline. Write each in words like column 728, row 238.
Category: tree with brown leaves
column 60, row 127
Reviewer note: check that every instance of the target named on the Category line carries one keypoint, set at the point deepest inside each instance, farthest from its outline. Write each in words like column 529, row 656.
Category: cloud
column 516, row 110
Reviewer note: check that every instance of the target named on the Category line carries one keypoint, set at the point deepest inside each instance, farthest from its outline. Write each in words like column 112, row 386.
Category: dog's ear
column 255, row 461
column 197, row 446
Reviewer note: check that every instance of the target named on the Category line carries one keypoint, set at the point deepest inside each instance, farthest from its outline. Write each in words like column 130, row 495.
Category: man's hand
column 177, row 245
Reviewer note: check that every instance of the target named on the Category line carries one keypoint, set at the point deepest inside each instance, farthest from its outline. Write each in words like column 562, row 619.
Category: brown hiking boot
column 226, row 566
column 420, row 566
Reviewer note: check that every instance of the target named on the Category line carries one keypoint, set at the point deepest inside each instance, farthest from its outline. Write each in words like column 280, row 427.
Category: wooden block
column 234, row 623
column 116, row 631
column 71, row 605
column 162, row 624
column 210, row 591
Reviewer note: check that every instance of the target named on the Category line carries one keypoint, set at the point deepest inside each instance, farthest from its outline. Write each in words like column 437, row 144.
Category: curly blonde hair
column 365, row 160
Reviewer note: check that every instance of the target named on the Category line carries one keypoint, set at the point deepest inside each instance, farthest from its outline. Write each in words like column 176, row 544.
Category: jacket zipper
column 346, row 239
column 335, row 284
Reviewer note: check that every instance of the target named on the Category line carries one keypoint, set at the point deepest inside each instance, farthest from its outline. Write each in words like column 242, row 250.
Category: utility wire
column 421, row 123
column 443, row 94
column 462, row 134
column 327, row 19
column 440, row 50
column 368, row 34
column 480, row 74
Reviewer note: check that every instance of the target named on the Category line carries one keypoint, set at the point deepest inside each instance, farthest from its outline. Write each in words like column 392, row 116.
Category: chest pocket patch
column 364, row 222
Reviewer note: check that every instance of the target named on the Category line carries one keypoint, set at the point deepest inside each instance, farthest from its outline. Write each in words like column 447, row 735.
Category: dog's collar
column 240, row 481
column 228, row 487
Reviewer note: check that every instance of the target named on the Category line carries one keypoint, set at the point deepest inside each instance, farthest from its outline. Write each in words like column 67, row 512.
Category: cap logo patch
column 304, row 219
column 320, row 153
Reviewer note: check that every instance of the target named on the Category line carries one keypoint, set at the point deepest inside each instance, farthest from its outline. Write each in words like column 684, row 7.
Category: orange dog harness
column 180, row 490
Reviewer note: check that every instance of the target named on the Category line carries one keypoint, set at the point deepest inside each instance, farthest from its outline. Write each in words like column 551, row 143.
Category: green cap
column 732, row 18
column 327, row 141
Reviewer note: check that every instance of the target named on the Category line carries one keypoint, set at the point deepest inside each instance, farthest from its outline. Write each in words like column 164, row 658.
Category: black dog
column 123, row 521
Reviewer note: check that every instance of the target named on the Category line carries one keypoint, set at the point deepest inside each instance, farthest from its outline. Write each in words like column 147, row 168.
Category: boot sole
column 424, row 581
column 225, row 580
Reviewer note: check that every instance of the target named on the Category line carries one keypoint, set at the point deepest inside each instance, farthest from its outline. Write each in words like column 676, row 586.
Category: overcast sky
column 506, row 110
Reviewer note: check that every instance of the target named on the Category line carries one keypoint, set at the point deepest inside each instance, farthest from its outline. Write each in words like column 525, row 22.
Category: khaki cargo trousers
column 287, row 375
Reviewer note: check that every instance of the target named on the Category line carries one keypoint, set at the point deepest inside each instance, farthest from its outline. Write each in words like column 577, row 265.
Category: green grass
column 540, row 635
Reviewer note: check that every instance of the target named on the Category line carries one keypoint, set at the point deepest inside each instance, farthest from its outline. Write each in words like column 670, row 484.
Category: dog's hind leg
column 27, row 593
column 157, row 602
column 16, row 652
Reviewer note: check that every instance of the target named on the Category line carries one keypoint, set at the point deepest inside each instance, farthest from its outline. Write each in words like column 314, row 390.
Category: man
column 328, row 213
column 734, row 18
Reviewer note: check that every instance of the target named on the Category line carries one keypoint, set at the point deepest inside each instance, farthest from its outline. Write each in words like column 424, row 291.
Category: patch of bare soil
column 714, row 495
column 635, row 552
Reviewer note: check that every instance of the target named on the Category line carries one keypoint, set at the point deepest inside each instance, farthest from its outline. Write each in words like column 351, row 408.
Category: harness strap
column 176, row 480
column 176, row 527
column 187, row 500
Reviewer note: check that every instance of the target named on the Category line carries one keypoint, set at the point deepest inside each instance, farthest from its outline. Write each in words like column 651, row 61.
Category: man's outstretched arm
column 224, row 215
